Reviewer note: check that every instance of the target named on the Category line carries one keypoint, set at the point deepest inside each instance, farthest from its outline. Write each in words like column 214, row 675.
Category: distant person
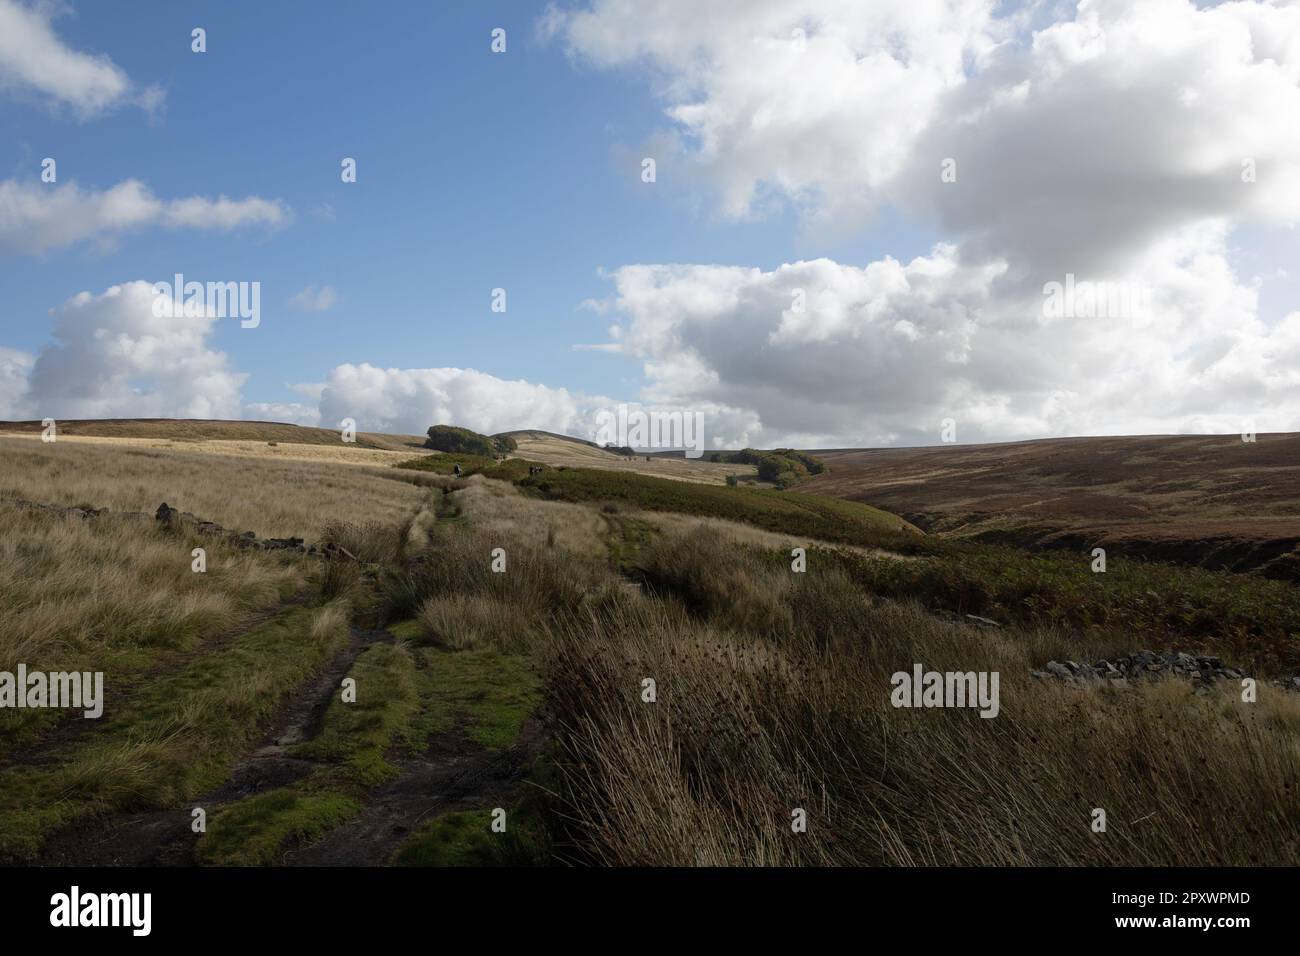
column 456, row 470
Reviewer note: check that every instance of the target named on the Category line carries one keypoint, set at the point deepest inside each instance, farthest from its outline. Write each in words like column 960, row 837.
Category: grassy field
column 198, row 430
column 497, row 632
column 272, row 498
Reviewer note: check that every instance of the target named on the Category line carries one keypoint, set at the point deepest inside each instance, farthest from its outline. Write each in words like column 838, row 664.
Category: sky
column 860, row 228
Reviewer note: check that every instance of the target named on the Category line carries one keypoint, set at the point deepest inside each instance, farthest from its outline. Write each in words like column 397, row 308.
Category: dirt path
column 164, row 837
column 453, row 774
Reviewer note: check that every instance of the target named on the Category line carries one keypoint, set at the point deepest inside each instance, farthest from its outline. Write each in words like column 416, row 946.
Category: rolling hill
column 194, row 429
column 1209, row 500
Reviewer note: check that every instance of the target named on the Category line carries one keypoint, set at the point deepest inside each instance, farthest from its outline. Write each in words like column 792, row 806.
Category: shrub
column 449, row 438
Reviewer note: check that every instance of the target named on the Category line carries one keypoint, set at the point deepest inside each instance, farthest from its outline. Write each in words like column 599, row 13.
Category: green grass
column 465, row 838
column 407, row 631
column 404, row 698
column 486, row 694
column 255, row 831
column 177, row 738
column 352, row 749
column 356, row 736
column 1253, row 621
column 626, row 538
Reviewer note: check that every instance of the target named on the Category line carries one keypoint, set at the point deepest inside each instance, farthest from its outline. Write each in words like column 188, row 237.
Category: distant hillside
column 548, row 448
column 1214, row 501
column 536, row 434
column 196, row 429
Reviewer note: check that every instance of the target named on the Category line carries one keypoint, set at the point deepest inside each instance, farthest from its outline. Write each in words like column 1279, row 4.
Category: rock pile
column 76, row 510
column 183, row 520
column 1201, row 670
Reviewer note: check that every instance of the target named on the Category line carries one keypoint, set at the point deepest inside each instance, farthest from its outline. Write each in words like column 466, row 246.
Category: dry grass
column 338, row 453
column 1211, row 500
column 774, row 694
column 465, row 621
column 745, row 731
column 555, row 451
column 773, row 687
column 744, row 535
column 498, row 508
column 117, row 595
column 271, row 498
column 203, row 430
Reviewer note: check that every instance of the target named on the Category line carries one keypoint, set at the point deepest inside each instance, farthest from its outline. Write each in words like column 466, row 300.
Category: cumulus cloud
column 294, row 413
column 1104, row 134
column 1120, row 145
column 313, row 299
column 113, row 358
column 35, row 217
column 35, row 61
column 831, row 354
column 408, row 401
column 15, row 367
column 819, row 101
column 1101, row 130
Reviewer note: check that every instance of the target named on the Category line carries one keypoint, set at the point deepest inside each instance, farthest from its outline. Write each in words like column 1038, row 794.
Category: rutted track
column 164, row 837
column 453, row 774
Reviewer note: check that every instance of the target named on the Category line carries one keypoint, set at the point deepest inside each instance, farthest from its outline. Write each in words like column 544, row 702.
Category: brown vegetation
column 1213, row 500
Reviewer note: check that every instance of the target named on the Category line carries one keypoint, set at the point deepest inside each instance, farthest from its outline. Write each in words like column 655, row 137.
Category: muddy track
column 453, row 774
column 164, row 837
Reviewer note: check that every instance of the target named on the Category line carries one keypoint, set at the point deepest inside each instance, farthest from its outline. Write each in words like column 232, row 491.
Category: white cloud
column 34, row 60
column 313, row 299
column 113, row 358
column 819, row 101
column 1109, row 145
column 36, row 217
column 294, row 413
column 15, row 367
column 408, row 401
column 881, row 354
column 1106, row 133
column 1087, row 137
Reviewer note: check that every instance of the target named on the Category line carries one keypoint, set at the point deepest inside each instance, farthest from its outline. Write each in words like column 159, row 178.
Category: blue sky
column 475, row 171
column 799, row 144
